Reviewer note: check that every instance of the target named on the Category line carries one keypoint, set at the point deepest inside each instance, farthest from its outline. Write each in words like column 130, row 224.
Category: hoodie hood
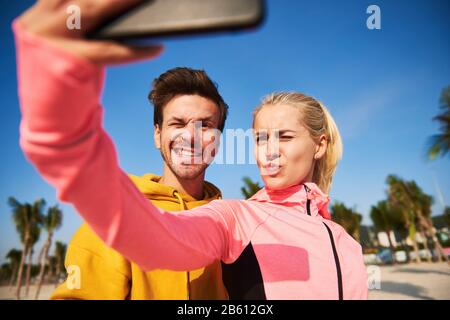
column 297, row 196
column 149, row 185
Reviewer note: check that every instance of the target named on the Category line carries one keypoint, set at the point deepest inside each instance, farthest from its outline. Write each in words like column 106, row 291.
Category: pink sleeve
column 61, row 133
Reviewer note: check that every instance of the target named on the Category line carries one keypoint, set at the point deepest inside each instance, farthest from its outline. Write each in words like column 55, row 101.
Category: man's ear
column 157, row 136
column 321, row 147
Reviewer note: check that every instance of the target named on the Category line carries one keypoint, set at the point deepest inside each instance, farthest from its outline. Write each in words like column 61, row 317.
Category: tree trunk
column 437, row 246
column 13, row 276
column 57, row 271
column 43, row 262
column 391, row 246
column 30, row 263
column 423, row 234
column 20, row 272
column 41, row 254
column 416, row 250
column 406, row 248
column 439, row 250
column 406, row 237
column 427, row 248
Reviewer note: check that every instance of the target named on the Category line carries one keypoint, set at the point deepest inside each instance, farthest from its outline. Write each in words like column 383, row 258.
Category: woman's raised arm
column 61, row 133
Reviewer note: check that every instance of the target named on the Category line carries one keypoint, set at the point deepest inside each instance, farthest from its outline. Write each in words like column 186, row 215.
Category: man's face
column 188, row 137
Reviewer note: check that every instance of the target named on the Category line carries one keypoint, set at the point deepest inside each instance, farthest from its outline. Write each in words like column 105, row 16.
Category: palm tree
column 60, row 254
column 409, row 196
column 383, row 220
column 52, row 262
column 52, row 221
column 34, row 238
column 27, row 218
column 398, row 197
column 440, row 143
column 347, row 218
column 13, row 256
column 250, row 188
column 423, row 203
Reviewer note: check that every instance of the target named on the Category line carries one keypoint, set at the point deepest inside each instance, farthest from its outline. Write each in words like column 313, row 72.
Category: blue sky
column 382, row 86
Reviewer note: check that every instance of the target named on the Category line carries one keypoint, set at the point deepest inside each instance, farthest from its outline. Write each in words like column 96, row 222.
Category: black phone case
column 167, row 18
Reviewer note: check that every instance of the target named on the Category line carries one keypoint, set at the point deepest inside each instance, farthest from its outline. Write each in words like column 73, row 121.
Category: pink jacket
column 277, row 245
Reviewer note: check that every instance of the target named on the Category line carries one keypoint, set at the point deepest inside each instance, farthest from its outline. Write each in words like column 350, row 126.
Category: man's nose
column 191, row 132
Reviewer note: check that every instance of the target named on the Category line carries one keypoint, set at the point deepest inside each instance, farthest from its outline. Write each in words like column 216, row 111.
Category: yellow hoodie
column 96, row 271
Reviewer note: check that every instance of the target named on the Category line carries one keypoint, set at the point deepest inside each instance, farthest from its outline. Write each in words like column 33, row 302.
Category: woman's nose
column 272, row 156
column 272, row 150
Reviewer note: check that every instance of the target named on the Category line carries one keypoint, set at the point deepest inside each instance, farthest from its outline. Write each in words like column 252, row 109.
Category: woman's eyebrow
column 261, row 132
column 280, row 132
column 286, row 131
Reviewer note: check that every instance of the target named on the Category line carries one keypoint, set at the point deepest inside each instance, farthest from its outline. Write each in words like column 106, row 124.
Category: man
column 182, row 98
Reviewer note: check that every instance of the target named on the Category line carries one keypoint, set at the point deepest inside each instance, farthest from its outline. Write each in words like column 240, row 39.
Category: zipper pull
column 308, row 200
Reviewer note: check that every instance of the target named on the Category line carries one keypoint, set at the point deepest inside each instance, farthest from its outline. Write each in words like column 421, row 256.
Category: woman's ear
column 321, row 147
column 157, row 136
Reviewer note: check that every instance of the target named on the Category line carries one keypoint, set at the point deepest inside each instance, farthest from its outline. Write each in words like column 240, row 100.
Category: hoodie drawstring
column 180, row 200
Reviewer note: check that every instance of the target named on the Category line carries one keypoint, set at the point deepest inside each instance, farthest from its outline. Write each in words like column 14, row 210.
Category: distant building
column 383, row 239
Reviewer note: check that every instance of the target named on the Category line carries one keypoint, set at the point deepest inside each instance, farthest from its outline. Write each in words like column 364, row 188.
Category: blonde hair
column 317, row 120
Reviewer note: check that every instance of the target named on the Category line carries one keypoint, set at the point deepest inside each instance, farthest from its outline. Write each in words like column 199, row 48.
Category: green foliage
column 250, row 188
column 440, row 143
column 53, row 219
column 347, row 218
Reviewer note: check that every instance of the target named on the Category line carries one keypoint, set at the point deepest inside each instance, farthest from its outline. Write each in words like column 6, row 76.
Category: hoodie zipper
column 336, row 261
column 333, row 246
column 308, row 200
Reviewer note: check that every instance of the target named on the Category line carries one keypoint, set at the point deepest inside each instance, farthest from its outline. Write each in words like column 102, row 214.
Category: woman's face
column 284, row 150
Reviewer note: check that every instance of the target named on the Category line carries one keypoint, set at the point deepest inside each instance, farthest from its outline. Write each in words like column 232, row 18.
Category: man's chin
column 188, row 171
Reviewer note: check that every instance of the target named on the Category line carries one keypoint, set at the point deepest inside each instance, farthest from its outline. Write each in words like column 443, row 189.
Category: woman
column 280, row 244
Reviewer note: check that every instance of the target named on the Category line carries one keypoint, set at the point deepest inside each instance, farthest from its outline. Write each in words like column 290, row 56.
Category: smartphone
column 168, row 18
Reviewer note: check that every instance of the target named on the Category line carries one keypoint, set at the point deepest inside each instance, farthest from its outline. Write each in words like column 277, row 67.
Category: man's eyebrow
column 206, row 118
column 177, row 119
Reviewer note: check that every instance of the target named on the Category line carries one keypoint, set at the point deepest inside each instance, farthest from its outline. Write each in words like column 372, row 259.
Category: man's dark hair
column 185, row 81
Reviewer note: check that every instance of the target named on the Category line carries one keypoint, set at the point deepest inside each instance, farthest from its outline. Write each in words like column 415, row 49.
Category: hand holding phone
column 104, row 22
column 48, row 20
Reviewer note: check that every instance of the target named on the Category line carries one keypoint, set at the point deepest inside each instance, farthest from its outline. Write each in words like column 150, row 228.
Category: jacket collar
column 297, row 195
